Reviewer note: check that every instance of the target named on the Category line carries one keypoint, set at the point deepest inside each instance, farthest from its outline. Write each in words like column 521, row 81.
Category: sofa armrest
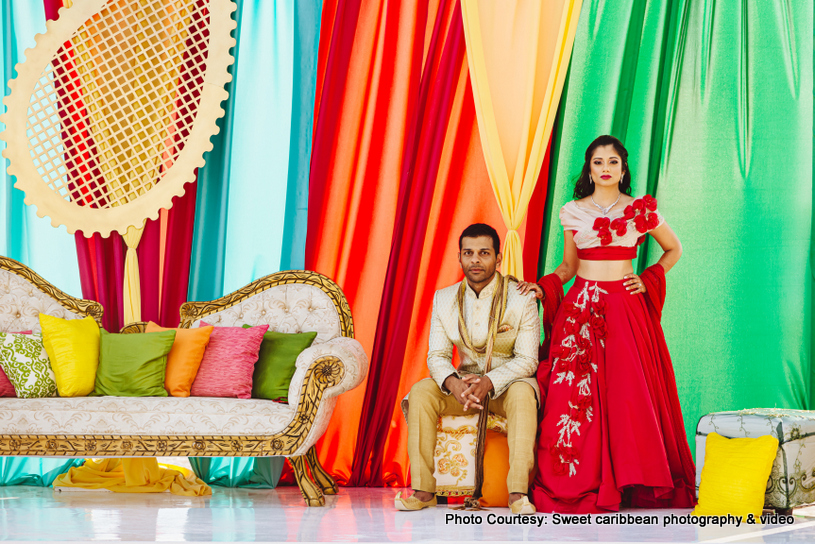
column 340, row 363
column 132, row 328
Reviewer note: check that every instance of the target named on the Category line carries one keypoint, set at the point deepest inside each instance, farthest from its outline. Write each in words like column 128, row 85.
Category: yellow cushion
column 72, row 346
column 735, row 474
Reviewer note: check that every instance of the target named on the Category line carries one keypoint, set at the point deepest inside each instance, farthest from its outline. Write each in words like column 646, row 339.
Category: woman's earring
column 591, row 181
column 622, row 177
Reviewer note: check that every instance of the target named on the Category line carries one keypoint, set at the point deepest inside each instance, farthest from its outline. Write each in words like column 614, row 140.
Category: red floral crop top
column 614, row 236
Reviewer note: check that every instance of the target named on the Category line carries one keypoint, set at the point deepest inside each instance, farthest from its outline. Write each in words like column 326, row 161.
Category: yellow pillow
column 72, row 346
column 735, row 474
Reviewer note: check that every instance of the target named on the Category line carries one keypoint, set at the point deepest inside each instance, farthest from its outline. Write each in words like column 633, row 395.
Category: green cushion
column 133, row 365
column 275, row 367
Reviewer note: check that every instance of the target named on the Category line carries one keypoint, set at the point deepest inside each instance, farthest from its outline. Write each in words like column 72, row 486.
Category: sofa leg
column 311, row 492
column 321, row 477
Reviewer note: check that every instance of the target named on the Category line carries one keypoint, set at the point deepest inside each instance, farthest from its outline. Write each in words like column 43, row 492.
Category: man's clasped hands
column 469, row 390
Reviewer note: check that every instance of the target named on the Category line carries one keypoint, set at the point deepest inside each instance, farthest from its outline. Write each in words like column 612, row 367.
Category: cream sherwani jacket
column 515, row 352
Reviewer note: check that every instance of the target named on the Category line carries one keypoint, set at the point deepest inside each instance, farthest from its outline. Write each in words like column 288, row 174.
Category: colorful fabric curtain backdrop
column 518, row 53
column 714, row 103
column 397, row 164
column 25, row 237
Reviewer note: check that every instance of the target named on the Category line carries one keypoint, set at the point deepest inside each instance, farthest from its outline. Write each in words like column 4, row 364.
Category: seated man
column 462, row 315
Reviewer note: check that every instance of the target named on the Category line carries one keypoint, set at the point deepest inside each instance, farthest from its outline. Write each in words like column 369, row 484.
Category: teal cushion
column 275, row 367
column 133, row 365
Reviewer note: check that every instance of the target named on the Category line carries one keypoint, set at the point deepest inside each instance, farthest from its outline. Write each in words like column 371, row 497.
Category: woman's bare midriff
column 604, row 270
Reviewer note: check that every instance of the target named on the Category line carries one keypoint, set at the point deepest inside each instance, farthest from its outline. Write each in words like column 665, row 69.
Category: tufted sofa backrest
column 289, row 302
column 24, row 295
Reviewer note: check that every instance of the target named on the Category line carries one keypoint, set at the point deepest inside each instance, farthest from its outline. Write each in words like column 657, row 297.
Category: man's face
column 478, row 259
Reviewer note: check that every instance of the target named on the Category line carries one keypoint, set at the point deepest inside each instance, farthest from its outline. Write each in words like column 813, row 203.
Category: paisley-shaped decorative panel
column 112, row 111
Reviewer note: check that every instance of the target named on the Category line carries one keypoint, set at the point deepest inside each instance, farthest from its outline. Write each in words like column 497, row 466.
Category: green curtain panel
column 714, row 103
column 261, row 472
column 253, row 191
column 25, row 237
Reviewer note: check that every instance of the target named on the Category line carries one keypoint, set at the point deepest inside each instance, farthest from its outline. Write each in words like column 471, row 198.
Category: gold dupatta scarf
column 497, row 310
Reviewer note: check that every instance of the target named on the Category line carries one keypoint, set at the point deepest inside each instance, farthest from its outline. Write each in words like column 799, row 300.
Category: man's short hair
column 481, row 229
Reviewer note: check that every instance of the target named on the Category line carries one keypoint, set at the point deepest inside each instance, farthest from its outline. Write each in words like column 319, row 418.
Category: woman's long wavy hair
column 583, row 187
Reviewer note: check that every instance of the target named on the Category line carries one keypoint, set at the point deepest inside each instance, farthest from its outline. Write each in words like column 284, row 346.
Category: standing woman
column 611, row 433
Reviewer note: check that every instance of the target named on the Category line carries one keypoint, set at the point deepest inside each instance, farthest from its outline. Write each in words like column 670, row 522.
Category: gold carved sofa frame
column 341, row 366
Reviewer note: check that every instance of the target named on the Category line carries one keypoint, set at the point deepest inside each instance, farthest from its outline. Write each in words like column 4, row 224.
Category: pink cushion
column 228, row 363
column 6, row 389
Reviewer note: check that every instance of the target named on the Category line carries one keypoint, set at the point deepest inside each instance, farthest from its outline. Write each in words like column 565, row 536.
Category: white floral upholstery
column 21, row 303
column 288, row 308
column 144, row 416
column 454, row 457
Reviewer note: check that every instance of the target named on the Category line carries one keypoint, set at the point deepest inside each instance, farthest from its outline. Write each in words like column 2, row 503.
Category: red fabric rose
column 572, row 326
column 601, row 223
column 650, row 202
column 629, row 213
column 639, row 206
column 572, row 310
column 617, row 223
column 641, row 224
column 651, row 221
column 584, row 356
column 600, row 329
column 599, row 306
column 621, row 231
column 584, row 316
column 605, row 238
column 584, row 402
column 583, row 343
column 597, row 321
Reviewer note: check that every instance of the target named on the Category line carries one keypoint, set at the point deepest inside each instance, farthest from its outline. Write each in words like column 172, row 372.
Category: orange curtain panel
column 518, row 53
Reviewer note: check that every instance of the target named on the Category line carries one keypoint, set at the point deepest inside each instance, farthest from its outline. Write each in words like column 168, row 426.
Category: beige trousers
column 427, row 403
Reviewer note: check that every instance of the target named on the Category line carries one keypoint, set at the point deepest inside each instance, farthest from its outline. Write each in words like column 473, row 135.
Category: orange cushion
column 494, row 492
column 184, row 358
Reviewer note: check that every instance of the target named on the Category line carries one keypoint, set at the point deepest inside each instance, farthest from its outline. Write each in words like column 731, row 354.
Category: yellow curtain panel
column 518, row 53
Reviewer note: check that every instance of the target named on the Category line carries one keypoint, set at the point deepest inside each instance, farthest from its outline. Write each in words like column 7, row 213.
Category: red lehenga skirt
column 612, row 432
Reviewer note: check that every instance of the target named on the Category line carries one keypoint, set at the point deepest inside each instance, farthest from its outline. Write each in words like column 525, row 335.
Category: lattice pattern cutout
column 113, row 109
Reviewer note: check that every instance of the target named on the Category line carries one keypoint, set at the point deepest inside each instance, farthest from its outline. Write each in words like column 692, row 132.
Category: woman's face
column 606, row 166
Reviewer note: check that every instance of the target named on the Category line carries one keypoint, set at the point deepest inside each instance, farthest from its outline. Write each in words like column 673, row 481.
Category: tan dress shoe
column 522, row 506
column 408, row 504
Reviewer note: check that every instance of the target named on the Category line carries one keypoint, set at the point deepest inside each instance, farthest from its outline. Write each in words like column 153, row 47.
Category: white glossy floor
column 356, row 514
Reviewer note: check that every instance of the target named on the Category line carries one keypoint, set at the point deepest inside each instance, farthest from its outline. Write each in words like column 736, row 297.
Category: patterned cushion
column 25, row 362
column 228, row 363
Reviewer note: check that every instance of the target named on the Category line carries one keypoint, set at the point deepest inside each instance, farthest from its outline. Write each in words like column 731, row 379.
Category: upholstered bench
column 792, row 480
column 294, row 301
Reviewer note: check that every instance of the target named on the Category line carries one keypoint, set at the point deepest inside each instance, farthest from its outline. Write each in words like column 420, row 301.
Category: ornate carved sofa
column 294, row 301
